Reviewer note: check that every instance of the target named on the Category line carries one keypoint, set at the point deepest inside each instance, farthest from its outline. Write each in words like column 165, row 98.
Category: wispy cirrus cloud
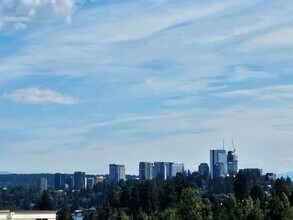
column 38, row 96
column 271, row 93
column 19, row 13
column 277, row 38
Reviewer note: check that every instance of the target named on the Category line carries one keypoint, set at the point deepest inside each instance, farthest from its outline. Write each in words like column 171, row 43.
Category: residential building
column 253, row 173
column 232, row 163
column 90, row 182
column 204, row 170
column 79, row 180
column 59, row 181
column 270, row 176
column 27, row 215
column 161, row 170
column 174, row 168
column 116, row 173
column 146, row 170
column 218, row 163
column 99, row 179
column 69, row 182
column 43, row 184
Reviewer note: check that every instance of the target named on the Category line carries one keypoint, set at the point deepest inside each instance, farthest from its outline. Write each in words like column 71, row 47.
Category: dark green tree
column 206, row 209
column 124, row 196
column 45, row 202
column 257, row 192
column 281, row 186
column 167, row 195
column 65, row 213
column 280, row 207
column 257, row 213
column 240, row 185
column 148, row 196
column 216, row 207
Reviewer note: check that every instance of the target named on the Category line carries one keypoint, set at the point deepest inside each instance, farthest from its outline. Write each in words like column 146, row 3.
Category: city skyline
column 84, row 83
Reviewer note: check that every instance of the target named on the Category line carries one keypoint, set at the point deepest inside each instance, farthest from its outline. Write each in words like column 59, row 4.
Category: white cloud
column 271, row 93
column 17, row 14
column 280, row 38
column 38, row 96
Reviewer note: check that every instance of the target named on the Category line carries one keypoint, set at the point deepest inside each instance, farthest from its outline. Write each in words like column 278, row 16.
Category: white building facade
column 27, row 215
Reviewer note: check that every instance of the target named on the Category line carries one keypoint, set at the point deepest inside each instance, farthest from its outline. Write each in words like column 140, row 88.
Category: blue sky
column 87, row 83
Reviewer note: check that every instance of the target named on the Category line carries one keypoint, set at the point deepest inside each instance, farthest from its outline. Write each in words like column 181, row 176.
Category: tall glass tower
column 218, row 163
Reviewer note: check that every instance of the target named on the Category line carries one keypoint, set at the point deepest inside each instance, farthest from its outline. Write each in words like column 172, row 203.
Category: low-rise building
column 27, row 215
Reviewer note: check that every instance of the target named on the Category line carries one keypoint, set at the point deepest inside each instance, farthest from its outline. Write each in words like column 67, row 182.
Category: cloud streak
column 38, row 96
column 19, row 13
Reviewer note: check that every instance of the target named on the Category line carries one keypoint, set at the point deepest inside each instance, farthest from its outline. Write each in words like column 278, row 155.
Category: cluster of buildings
column 147, row 170
column 222, row 164
column 77, row 181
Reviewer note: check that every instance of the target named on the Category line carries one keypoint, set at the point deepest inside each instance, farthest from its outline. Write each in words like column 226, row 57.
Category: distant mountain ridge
column 290, row 174
column 4, row 172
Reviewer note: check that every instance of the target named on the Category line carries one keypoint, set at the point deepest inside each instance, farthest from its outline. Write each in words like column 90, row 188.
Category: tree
column 189, row 205
column 240, row 185
column 148, row 196
column 45, row 202
column 170, row 214
column 257, row 192
column 257, row 213
column 232, row 208
column 168, row 195
column 206, row 209
column 124, row 196
column 280, row 207
column 65, row 213
column 216, row 207
column 281, row 186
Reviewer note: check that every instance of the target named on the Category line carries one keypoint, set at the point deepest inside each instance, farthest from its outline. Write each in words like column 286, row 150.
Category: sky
column 86, row 83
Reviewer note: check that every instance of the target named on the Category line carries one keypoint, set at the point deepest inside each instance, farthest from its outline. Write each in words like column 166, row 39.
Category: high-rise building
column 43, row 184
column 161, row 170
column 146, row 170
column 59, row 180
column 90, row 182
column 116, row 173
column 203, row 170
column 69, row 181
column 232, row 163
column 174, row 168
column 99, row 179
column 218, row 163
column 79, row 180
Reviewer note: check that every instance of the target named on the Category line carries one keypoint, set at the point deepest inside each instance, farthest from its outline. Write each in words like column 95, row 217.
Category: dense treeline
column 186, row 196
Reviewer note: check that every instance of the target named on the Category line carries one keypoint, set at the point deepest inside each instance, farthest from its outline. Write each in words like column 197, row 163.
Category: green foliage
column 206, row 209
column 147, row 196
column 45, row 202
column 65, row 213
column 168, row 195
column 175, row 199
column 240, row 185
column 170, row 214
column 257, row 213
column 189, row 205
column 280, row 207
column 257, row 193
column 216, row 207
column 282, row 186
